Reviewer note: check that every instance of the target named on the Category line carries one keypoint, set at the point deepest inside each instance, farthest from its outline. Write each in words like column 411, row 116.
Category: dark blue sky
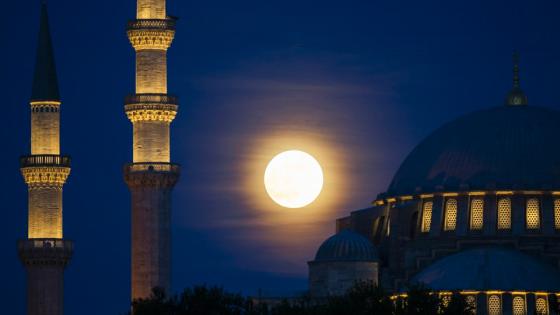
column 355, row 83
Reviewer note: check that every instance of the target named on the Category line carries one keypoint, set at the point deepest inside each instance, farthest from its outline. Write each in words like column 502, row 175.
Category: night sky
column 355, row 83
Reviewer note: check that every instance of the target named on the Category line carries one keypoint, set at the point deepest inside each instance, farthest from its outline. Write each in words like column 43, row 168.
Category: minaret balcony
column 151, row 174
column 42, row 251
column 151, row 107
column 45, row 170
column 151, row 33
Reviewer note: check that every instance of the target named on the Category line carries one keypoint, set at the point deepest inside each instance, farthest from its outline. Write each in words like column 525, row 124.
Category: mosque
column 474, row 208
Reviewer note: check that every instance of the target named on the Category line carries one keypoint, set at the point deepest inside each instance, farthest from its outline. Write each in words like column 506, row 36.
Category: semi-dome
column 490, row 268
column 502, row 148
column 346, row 246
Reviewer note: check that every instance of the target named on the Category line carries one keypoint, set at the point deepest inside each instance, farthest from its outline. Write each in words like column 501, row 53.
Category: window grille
column 557, row 214
column 519, row 306
column 494, row 305
column 427, row 216
column 477, row 214
column 471, row 300
column 504, row 214
column 541, row 306
column 450, row 215
column 533, row 214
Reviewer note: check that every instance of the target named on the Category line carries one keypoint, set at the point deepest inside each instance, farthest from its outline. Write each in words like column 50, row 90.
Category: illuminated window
column 427, row 216
column 541, row 306
column 477, row 213
column 504, row 214
column 471, row 300
column 532, row 214
column 450, row 215
column 445, row 299
column 557, row 214
column 494, row 305
column 519, row 306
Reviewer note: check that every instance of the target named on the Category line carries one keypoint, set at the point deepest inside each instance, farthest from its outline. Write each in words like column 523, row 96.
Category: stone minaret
column 151, row 177
column 45, row 253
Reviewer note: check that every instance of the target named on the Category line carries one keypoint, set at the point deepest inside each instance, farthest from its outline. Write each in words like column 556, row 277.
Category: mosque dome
column 490, row 268
column 502, row 148
column 346, row 246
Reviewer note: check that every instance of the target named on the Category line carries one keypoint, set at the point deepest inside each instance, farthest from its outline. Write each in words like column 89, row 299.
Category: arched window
column 532, row 212
column 557, row 214
column 450, row 215
column 494, row 305
column 504, row 213
column 477, row 213
column 541, row 305
column 427, row 216
column 519, row 307
column 471, row 300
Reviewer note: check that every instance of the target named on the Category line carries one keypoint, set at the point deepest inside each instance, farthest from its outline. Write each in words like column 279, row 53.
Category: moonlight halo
column 293, row 179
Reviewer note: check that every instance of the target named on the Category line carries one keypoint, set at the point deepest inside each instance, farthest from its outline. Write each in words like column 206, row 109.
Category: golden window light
column 427, row 216
column 541, row 306
column 504, row 213
column 519, row 307
column 557, row 214
column 471, row 300
column 494, row 305
column 450, row 214
column 532, row 212
column 477, row 213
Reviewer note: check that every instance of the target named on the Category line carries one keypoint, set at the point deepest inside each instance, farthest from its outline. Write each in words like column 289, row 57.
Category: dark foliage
column 364, row 298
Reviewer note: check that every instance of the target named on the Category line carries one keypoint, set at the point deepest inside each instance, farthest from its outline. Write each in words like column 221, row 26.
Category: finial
column 516, row 97
column 516, row 70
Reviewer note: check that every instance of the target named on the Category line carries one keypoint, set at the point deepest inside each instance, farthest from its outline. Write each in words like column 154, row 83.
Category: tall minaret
column 45, row 253
column 151, row 177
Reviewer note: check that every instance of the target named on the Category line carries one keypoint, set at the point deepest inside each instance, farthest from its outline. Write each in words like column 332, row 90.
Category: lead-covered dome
column 347, row 246
column 490, row 268
column 502, row 148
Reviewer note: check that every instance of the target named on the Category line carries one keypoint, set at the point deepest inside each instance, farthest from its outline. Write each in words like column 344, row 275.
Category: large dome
column 346, row 246
column 502, row 148
column 490, row 268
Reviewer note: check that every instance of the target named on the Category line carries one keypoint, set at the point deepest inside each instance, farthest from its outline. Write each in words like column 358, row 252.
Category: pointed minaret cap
column 45, row 82
column 516, row 97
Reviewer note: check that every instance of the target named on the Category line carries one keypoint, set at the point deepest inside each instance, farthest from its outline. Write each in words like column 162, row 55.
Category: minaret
column 151, row 177
column 516, row 97
column 45, row 253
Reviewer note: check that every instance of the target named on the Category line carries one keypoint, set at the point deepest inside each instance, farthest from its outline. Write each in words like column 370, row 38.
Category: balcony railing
column 151, row 99
column 44, row 160
column 152, row 24
column 45, row 243
column 152, row 167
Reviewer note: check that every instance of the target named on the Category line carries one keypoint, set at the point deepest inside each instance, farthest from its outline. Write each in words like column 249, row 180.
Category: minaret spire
column 45, row 81
column 516, row 97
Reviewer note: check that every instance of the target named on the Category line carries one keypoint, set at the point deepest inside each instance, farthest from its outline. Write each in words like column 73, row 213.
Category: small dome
column 490, row 268
column 347, row 246
column 503, row 148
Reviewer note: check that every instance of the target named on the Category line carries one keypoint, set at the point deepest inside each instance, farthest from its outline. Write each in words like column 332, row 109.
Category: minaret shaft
column 45, row 128
column 151, row 9
column 151, row 177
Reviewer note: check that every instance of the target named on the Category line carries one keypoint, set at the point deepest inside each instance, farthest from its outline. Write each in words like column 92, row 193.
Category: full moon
column 293, row 179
